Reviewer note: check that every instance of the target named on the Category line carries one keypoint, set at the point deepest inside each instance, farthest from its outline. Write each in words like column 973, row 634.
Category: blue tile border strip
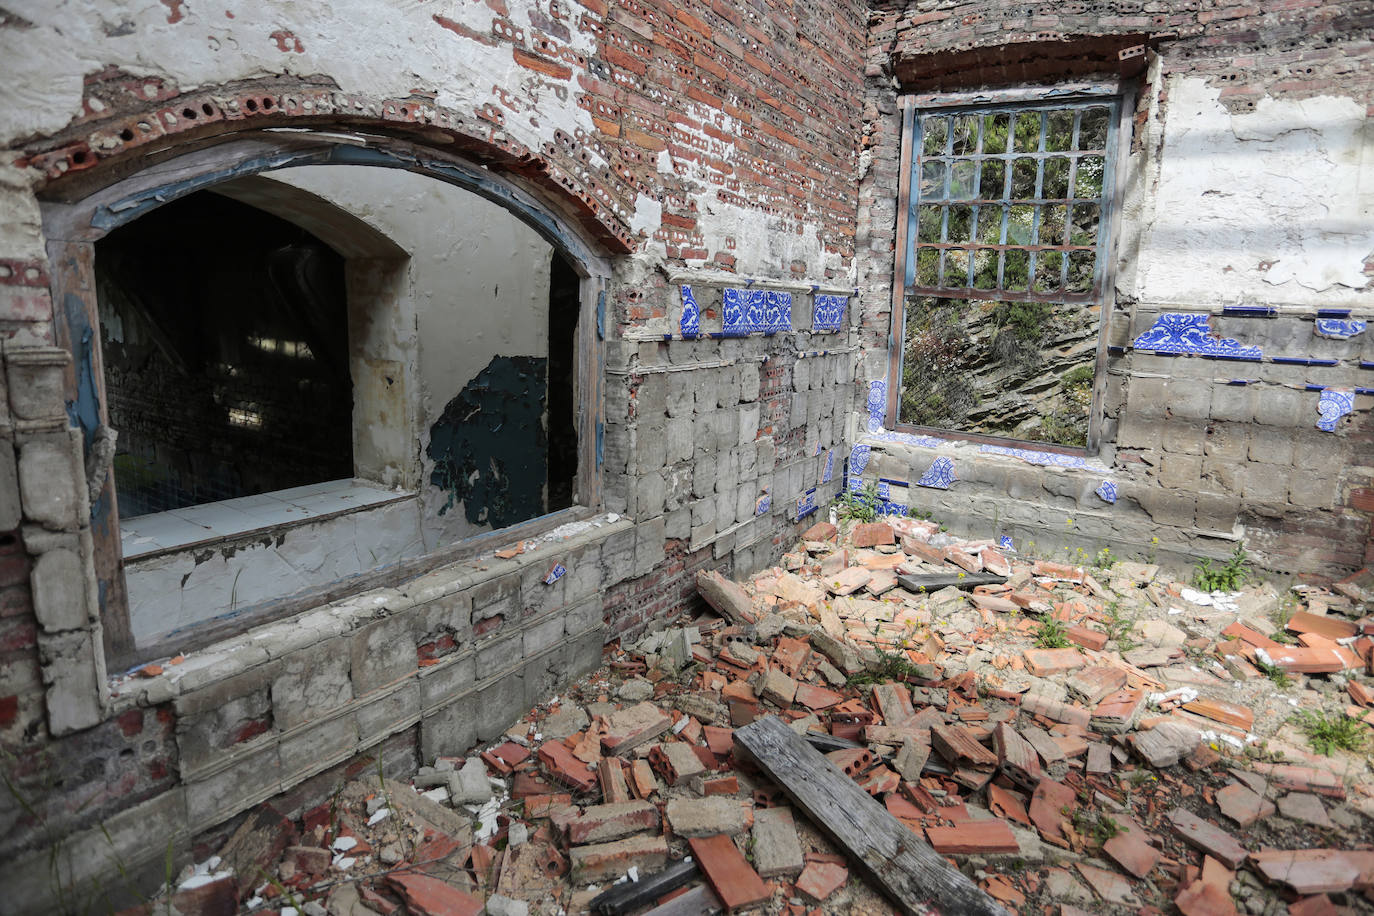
column 1048, row 459
column 1185, row 332
column 1337, row 329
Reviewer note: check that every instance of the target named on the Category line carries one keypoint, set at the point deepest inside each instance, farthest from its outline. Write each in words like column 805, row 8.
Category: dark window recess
column 225, row 341
column 564, row 305
column 1005, row 269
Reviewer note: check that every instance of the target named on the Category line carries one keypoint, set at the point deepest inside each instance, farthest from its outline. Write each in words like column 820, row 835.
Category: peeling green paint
column 489, row 446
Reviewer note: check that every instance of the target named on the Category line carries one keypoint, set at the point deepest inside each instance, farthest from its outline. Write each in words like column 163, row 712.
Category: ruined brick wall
column 1243, row 113
column 700, row 145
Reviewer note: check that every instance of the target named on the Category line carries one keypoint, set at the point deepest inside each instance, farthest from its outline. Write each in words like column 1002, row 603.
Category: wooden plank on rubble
column 902, row 865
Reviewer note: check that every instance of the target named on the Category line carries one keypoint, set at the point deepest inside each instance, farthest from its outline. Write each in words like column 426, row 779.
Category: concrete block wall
column 1201, row 461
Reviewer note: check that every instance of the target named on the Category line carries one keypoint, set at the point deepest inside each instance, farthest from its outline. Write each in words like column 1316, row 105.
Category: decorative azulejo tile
column 1005, row 544
column 911, row 439
column 806, row 504
column 1333, row 404
column 1184, row 332
column 1048, row 459
column 748, row 311
column 557, row 572
column 877, row 404
column 691, row 315
column 940, row 474
column 1337, row 329
column 828, row 314
column 858, row 459
column 763, row 503
column 829, row 466
column 856, row 484
column 1107, row 490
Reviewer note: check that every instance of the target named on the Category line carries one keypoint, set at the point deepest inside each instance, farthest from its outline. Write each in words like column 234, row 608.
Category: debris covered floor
column 1157, row 763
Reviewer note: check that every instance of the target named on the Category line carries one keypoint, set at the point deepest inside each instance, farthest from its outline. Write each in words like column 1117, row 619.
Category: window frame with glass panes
column 1023, row 295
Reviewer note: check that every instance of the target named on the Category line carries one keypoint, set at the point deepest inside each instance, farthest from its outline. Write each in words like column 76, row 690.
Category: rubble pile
column 1067, row 739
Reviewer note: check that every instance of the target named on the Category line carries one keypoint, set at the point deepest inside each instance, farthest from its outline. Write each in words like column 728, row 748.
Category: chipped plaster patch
column 1280, row 199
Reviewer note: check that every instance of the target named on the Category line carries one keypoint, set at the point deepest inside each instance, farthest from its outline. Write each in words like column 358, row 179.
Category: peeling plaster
column 1273, row 205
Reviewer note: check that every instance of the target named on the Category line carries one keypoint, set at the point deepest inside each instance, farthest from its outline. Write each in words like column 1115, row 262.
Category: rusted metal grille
column 1005, row 267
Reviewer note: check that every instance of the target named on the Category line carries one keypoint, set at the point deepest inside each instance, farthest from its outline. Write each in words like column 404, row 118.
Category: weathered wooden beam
column 936, row 581
column 902, row 865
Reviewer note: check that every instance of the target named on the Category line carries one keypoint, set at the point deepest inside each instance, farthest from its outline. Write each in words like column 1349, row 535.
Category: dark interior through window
column 225, row 341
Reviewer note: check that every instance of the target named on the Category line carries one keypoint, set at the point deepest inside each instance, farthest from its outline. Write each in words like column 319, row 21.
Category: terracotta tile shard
column 1118, row 713
column 1058, row 571
column 1307, row 660
column 814, row 698
column 994, row 603
column 821, row 531
column 1302, row 779
column 960, row 748
column 610, row 773
column 1047, row 806
column 1131, row 852
column 873, row 534
column 566, row 768
column 721, row 741
column 1202, row 899
column 1007, row 804
column 821, row 879
column 1090, row 685
column 729, row 873
column 1320, row 905
column 1099, row 759
column 1308, row 871
column 1049, row 662
column 848, row 581
column 894, row 702
column 428, row 896
column 1226, row 713
column 610, row 861
column 1166, row 744
column 963, row 559
column 1016, row 756
column 602, row 823
column 1208, row 837
column 642, row 779
column 1242, row 805
column 1332, row 628
column 984, row 837
column 1042, row 705
column 632, row 727
column 1087, row 638
column 853, row 761
column 675, row 762
column 1112, row 887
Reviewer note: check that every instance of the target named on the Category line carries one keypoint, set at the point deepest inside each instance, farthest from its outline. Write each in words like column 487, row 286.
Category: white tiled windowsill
column 181, row 528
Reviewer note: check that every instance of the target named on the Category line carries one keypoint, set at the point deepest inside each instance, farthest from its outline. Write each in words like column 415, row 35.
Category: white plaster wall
column 1271, row 207
column 478, row 277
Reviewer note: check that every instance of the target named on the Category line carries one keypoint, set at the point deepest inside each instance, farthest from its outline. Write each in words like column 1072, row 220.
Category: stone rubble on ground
column 1147, row 765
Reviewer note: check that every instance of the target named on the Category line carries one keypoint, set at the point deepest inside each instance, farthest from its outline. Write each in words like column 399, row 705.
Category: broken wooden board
column 903, row 866
column 729, row 599
column 933, row 582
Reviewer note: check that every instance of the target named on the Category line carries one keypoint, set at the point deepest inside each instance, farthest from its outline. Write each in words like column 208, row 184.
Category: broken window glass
column 1004, row 284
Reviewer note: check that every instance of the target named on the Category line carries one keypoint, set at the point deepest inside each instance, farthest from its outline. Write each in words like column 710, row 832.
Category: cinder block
column 1312, row 491
column 35, row 377
column 1147, row 398
column 383, row 652
column 651, row 400
column 312, row 683
column 1167, row 507
column 498, row 654
column 74, row 672
column 1180, row 471
column 677, row 523
column 498, row 596
column 1182, row 437
column 678, row 443
column 1227, row 442
column 1235, row 403
column 680, row 394
column 387, row 712
column 253, row 778
column 61, row 599
column 648, row 493
column 1271, row 445
column 52, row 481
column 1217, row 511
column 500, row 703
column 543, row 635
column 618, row 557
column 750, row 381
column 1281, row 407
column 1265, row 483
column 448, row 677
column 451, row 730
column 317, row 747
column 648, row 545
column 11, row 513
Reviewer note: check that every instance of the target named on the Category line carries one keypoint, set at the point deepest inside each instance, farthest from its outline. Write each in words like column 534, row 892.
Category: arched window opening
column 225, row 340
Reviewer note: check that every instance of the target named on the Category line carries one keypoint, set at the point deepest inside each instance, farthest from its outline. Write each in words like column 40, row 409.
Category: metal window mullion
column 1069, row 200
column 913, row 197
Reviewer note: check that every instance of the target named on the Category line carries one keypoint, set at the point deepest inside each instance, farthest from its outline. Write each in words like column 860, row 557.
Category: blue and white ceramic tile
column 829, row 466
column 806, row 504
column 691, row 315
column 558, row 572
column 748, row 311
column 828, row 314
column 1337, row 329
column 763, row 504
column 911, row 439
column 1107, row 490
column 939, row 475
column 1005, row 544
column 889, row 507
column 1333, row 404
column 884, row 490
column 856, row 484
column 1184, row 332
column 1048, row 459
column 858, row 459
column 877, row 404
